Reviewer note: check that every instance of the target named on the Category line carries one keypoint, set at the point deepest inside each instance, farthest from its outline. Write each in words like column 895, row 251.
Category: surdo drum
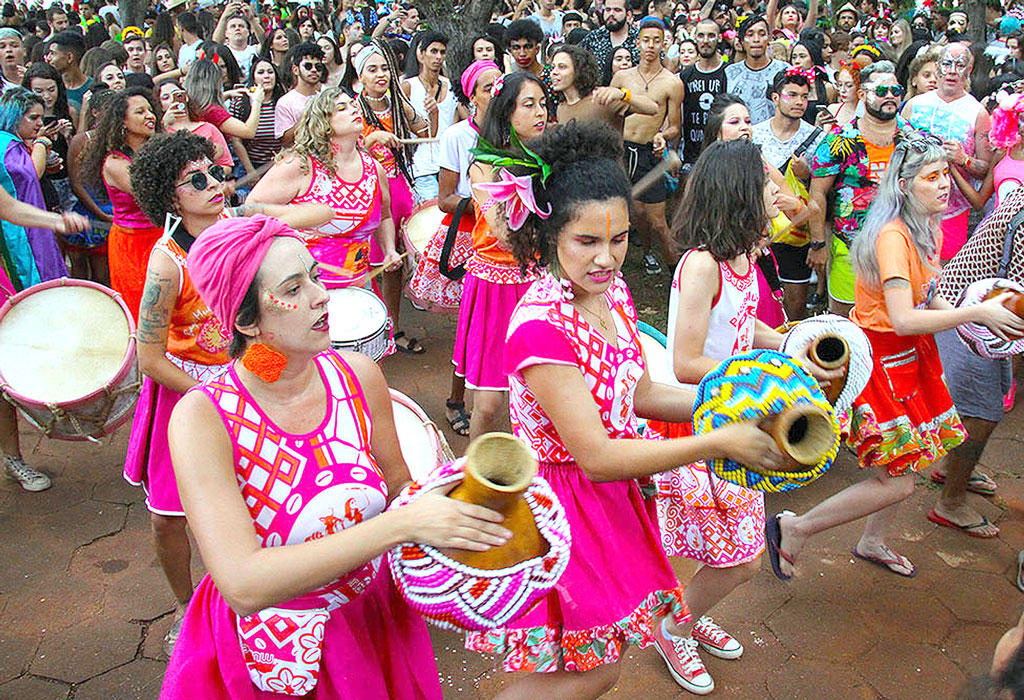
column 358, row 321
column 419, row 228
column 67, row 358
column 423, row 445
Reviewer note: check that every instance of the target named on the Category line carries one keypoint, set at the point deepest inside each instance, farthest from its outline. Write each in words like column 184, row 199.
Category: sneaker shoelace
column 712, row 631
column 686, row 651
column 19, row 469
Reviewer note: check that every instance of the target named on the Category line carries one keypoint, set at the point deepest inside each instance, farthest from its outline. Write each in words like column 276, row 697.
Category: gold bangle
column 626, row 95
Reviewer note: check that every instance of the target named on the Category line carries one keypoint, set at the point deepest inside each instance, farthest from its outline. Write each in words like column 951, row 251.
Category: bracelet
column 47, row 143
column 967, row 162
column 817, row 245
column 626, row 95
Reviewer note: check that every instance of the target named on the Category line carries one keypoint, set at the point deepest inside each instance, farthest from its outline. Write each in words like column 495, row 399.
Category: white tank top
column 733, row 314
column 424, row 159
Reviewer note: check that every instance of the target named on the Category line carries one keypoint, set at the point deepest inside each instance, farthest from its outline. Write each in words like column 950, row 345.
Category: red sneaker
column 683, row 661
column 715, row 640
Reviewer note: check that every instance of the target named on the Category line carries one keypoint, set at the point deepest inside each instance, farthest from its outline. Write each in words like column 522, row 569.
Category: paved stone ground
column 84, row 607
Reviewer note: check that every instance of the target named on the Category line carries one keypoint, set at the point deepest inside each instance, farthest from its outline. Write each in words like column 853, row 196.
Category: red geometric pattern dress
column 299, row 488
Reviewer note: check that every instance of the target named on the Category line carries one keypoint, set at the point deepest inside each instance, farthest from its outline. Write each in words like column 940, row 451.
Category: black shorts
column 640, row 160
column 792, row 261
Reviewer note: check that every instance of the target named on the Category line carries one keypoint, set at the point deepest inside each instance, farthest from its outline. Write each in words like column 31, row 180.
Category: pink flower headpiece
column 516, row 191
column 1005, row 131
column 499, row 82
column 808, row 73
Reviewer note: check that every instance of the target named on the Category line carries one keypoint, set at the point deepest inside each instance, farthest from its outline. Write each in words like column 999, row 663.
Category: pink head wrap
column 472, row 74
column 224, row 259
column 1005, row 132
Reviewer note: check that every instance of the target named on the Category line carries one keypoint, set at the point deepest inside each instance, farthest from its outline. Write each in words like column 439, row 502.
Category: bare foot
column 792, row 542
column 965, row 516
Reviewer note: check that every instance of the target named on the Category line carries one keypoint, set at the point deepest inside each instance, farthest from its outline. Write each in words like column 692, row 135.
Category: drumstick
column 424, row 139
column 343, row 272
column 654, row 173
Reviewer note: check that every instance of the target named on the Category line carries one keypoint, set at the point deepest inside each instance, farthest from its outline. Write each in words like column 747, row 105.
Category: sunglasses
column 920, row 141
column 199, row 180
column 883, row 90
column 308, row 65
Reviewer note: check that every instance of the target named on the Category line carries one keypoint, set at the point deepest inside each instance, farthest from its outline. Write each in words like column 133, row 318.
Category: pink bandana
column 473, row 73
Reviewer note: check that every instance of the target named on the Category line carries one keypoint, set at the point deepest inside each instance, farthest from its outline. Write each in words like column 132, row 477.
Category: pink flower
column 516, row 191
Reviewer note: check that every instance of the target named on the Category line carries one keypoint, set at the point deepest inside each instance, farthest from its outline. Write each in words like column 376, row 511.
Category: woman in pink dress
column 285, row 464
column 578, row 382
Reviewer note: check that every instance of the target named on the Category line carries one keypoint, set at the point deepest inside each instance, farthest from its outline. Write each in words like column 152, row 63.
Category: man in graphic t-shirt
column 751, row 78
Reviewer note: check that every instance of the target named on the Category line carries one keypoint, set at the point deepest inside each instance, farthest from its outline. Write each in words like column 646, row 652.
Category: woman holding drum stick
column 179, row 341
column 295, row 443
column 578, row 382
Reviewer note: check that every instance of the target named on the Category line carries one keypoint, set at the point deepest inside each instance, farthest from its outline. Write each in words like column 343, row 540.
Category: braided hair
column 400, row 125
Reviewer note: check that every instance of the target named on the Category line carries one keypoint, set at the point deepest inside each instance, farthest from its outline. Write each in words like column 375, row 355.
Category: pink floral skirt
column 616, row 589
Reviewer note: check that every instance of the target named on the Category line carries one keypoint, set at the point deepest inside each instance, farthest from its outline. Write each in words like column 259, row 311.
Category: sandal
column 773, row 537
column 890, row 562
column 460, row 423
column 1020, row 571
column 978, row 483
column 411, row 347
column 970, row 530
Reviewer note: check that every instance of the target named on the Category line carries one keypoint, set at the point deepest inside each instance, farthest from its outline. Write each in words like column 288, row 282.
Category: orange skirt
column 128, row 252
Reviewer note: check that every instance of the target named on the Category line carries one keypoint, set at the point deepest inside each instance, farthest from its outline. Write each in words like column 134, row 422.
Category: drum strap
column 1008, row 241
column 449, row 243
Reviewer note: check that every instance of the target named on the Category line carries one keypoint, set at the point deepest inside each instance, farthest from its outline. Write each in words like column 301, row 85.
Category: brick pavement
column 83, row 604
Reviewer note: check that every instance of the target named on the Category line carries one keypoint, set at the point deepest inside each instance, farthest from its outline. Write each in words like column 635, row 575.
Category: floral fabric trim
column 546, row 649
column 900, row 446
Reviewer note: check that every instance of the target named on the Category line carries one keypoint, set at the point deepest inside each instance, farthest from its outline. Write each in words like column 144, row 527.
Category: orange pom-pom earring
column 265, row 362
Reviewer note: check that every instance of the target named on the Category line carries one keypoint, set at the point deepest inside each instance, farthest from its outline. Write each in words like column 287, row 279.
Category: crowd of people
column 226, row 168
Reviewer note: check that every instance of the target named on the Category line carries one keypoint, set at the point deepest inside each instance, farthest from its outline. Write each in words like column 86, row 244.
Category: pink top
column 126, row 210
column 212, row 134
column 1007, row 175
column 302, row 487
column 545, row 329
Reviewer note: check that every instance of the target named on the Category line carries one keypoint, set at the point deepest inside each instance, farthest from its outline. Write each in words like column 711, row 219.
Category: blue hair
column 14, row 102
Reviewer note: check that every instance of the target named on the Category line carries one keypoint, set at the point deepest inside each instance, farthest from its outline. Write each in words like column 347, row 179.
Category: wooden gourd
column 499, row 468
column 1015, row 303
column 831, row 351
column 803, row 433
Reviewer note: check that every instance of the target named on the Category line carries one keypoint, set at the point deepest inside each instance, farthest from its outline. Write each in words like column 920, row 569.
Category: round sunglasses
column 199, row 180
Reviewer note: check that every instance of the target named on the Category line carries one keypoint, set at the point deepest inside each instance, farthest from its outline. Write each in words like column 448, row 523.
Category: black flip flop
column 773, row 538
column 412, row 346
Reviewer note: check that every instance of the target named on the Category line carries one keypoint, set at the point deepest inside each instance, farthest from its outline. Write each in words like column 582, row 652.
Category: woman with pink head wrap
column 296, row 444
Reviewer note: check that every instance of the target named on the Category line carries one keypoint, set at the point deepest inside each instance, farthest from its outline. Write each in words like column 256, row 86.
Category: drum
column 359, row 322
column 428, row 289
column 423, row 445
column 979, row 338
column 464, row 597
column 67, row 358
column 819, row 334
column 771, row 388
column 419, row 228
column 653, row 343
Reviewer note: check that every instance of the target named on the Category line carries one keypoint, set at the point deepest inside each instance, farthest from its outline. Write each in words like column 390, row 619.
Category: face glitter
column 274, row 301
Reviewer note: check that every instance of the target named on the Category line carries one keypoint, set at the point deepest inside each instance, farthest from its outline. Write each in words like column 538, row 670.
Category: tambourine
column 832, row 342
column 462, row 590
column 979, row 338
column 773, row 390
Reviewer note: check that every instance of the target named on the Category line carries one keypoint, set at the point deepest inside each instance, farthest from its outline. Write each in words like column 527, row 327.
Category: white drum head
column 422, row 226
column 657, row 359
column 62, row 343
column 354, row 314
column 418, row 447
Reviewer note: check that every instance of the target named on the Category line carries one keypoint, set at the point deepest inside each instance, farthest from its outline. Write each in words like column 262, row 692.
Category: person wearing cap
column 285, row 464
column 847, row 17
column 750, row 78
column 306, row 65
column 571, row 20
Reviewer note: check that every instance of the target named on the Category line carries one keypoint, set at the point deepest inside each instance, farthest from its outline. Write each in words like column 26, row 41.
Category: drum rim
column 126, row 364
column 417, row 410
column 340, row 344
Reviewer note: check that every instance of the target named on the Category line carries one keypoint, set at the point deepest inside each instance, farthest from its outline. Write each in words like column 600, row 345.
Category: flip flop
column 888, row 563
column 977, row 483
column 970, row 530
column 773, row 537
column 412, row 345
column 1020, row 570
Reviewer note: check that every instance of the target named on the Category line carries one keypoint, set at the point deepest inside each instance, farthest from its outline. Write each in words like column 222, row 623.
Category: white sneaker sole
column 683, row 683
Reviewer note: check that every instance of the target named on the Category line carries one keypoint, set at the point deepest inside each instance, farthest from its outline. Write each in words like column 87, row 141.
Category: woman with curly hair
column 179, row 342
column 389, row 121
column 578, row 382
column 127, row 123
column 574, row 76
column 325, row 166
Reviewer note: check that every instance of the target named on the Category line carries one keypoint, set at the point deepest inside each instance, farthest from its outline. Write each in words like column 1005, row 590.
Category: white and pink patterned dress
column 618, row 583
column 702, row 517
column 299, row 488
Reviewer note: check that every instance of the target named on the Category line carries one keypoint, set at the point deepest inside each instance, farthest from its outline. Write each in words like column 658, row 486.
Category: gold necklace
column 598, row 316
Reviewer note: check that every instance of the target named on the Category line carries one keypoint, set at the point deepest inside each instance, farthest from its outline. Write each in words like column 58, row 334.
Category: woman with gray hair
column 904, row 420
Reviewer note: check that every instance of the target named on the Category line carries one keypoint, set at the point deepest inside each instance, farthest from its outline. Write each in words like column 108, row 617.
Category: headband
column 473, row 73
column 8, row 33
column 363, row 56
column 223, row 261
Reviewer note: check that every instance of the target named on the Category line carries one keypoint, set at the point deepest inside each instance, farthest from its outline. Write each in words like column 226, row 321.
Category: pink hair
column 1005, row 131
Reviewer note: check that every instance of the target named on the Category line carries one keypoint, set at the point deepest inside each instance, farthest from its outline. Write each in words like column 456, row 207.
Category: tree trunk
column 133, row 12
column 460, row 24
column 976, row 27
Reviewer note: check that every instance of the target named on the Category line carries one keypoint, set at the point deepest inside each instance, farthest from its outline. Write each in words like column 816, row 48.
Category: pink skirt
column 148, row 461
column 402, row 204
column 479, row 350
column 616, row 589
column 375, row 648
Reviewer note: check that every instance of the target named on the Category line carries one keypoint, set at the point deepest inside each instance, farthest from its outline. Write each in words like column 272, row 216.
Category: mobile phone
column 49, row 119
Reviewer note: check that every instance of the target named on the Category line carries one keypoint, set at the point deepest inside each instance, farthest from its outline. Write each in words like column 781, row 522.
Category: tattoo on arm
column 896, row 283
column 247, row 209
column 154, row 318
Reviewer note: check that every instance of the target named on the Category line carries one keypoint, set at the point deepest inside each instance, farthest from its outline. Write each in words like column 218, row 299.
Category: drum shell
column 429, row 214
column 95, row 414
column 374, row 344
column 440, row 451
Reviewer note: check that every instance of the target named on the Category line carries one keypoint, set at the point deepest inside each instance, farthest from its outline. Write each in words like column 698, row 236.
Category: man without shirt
column 784, row 140
column 574, row 80
column 702, row 81
column 751, row 78
column 645, row 140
